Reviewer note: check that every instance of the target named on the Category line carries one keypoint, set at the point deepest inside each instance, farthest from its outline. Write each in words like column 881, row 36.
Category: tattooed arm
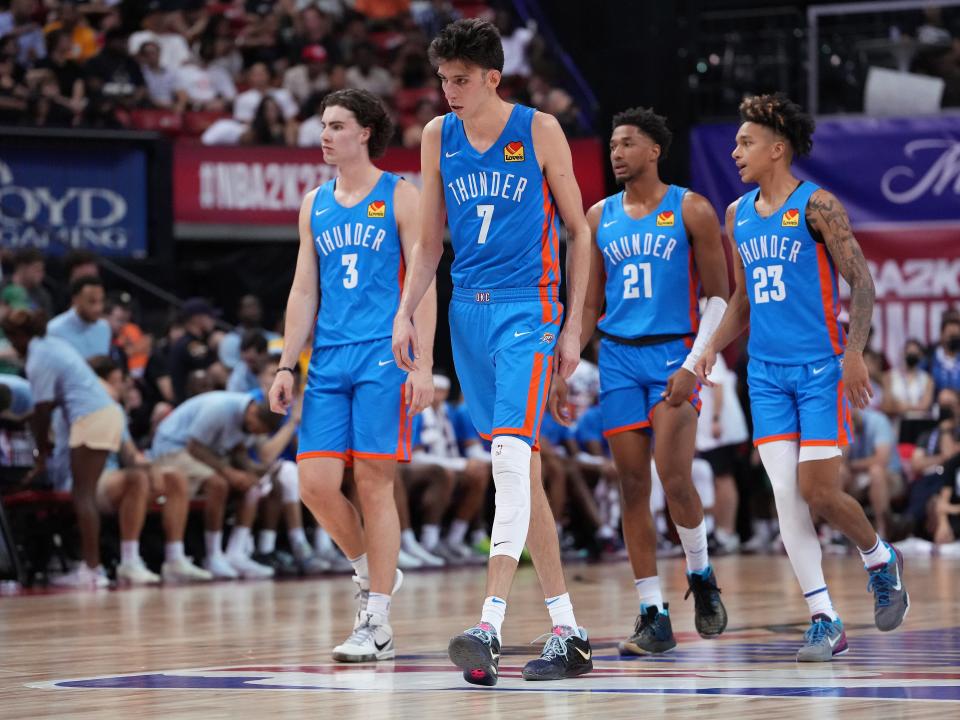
column 828, row 217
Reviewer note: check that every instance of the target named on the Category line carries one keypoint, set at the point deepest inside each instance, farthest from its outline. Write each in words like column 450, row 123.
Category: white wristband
column 709, row 323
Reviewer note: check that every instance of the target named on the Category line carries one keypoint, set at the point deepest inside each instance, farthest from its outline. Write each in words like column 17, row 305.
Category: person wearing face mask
column 945, row 365
column 908, row 390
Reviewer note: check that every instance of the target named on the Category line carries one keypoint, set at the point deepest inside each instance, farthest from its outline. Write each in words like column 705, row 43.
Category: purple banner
column 886, row 171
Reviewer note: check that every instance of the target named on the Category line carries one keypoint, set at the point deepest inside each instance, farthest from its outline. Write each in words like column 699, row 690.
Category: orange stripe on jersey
column 374, row 456
column 821, row 443
column 624, row 428
column 402, row 439
column 533, row 392
column 554, row 289
column 543, row 396
column 774, row 438
column 830, row 309
column 321, row 454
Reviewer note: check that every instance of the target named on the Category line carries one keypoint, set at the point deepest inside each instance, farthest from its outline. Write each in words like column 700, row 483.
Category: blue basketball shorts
column 799, row 402
column 503, row 344
column 633, row 379
column 353, row 406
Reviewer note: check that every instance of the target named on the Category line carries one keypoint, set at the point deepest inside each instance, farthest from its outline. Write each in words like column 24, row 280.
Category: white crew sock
column 408, row 540
column 237, row 544
column 494, row 611
column 130, row 552
column 819, row 603
column 361, row 568
column 694, row 541
column 430, row 536
column 648, row 590
column 879, row 554
column 266, row 541
column 379, row 603
column 457, row 532
column 298, row 542
column 214, row 542
column 173, row 551
column 561, row 611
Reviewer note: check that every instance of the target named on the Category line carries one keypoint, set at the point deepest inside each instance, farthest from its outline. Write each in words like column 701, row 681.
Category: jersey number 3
column 771, row 275
column 350, row 263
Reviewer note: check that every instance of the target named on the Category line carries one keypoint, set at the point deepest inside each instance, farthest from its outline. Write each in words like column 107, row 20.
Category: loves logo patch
column 791, row 218
column 377, row 209
column 513, row 152
column 666, row 219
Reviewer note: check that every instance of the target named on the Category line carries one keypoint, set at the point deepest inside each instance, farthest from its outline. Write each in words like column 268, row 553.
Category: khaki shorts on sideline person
column 99, row 430
column 195, row 471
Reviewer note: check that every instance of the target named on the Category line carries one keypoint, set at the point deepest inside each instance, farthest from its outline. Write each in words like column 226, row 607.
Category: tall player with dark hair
column 503, row 174
column 790, row 238
column 655, row 244
column 355, row 233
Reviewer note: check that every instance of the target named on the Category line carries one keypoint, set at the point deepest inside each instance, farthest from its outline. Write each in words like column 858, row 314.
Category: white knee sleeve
column 511, row 477
column 289, row 481
column 819, row 452
column 780, row 459
column 702, row 475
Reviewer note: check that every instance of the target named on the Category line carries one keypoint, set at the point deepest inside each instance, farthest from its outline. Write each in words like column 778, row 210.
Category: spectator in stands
column 935, row 452
column 308, row 134
column 60, row 378
column 435, row 15
column 161, row 82
column 249, row 319
column 157, row 384
column 127, row 337
column 13, row 88
column 114, row 80
column 25, row 286
column 158, row 27
column 71, row 93
column 127, row 485
column 46, row 107
column 945, row 366
column 80, row 263
column 945, row 511
column 269, row 127
column 365, row 74
column 253, row 358
column 205, row 440
column 207, row 87
column 312, row 26
column 71, row 22
column 559, row 104
column 19, row 22
column 516, row 40
column 192, row 350
column 260, row 83
column 908, row 390
column 872, row 465
column 83, row 325
column 225, row 53
column 308, row 77
column 425, row 112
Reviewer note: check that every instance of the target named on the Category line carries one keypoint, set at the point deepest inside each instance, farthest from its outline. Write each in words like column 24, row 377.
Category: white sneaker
column 82, row 577
column 727, row 543
column 371, row 640
column 248, row 569
column 136, row 573
column 426, row 558
column 407, row 561
column 218, row 566
column 182, row 570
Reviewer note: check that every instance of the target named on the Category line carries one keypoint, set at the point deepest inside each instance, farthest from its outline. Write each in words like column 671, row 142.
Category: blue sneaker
column 710, row 616
column 476, row 651
column 825, row 639
column 890, row 600
column 566, row 654
column 653, row 633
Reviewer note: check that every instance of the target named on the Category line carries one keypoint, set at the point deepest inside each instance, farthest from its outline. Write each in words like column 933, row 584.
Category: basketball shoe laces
column 880, row 584
column 818, row 631
column 483, row 635
column 555, row 646
column 363, row 632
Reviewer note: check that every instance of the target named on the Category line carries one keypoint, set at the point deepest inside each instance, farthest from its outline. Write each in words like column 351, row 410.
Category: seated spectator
column 945, row 515
column 310, row 76
column 192, row 351
column 60, row 378
column 205, row 439
column 269, row 126
column 83, row 325
column 516, row 40
column 365, row 74
column 871, row 469
column 207, row 87
column 945, row 365
column 114, row 80
column 936, row 452
column 435, row 15
column 161, row 82
column 72, row 23
column 19, row 22
column 78, row 264
column 159, row 27
column 874, row 362
column 908, row 390
column 248, row 103
column 253, row 358
column 24, row 288
column 127, row 337
column 157, row 385
column 46, row 107
column 69, row 74
column 14, row 93
column 559, row 104
column 249, row 319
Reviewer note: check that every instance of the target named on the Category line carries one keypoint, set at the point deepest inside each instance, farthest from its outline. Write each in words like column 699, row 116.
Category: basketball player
column 790, row 238
column 654, row 244
column 501, row 172
column 355, row 233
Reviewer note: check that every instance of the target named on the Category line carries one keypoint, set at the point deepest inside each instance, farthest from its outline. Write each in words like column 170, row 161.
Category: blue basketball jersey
column 503, row 220
column 652, row 284
column 360, row 264
column 791, row 282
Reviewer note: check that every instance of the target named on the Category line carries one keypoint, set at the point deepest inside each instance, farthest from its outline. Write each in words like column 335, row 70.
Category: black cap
column 197, row 306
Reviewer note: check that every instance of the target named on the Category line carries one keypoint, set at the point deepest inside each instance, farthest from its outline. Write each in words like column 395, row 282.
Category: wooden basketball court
column 253, row 650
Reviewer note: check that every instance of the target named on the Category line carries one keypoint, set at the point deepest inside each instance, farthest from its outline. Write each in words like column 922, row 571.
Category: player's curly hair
column 783, row 116
column 370, row 113
column 649, row 123
column 470, row 40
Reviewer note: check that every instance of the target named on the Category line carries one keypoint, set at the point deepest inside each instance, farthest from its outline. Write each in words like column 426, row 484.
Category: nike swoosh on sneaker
column 899, row 585
column 584, row 655
column 384, row 362
column 379, row 646
column 834, row 640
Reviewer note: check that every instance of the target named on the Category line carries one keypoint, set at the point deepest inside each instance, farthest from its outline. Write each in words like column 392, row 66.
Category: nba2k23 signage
column 256, row 192
column 899, row 179
column 73, row 198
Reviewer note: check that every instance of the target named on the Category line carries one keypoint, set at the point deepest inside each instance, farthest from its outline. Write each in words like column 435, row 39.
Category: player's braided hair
column 370, row 113
column 783, row 116
column 649, row 123
column 470, row 40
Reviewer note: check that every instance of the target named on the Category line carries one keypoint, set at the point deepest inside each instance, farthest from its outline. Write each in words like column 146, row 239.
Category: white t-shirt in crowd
column 246, row 104
column 732, row 419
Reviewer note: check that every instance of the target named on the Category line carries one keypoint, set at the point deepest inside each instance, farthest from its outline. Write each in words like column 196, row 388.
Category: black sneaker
column 283, row 564
column 710, row 616
column 653, row 633
column 566, row 654
column 477, row 652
